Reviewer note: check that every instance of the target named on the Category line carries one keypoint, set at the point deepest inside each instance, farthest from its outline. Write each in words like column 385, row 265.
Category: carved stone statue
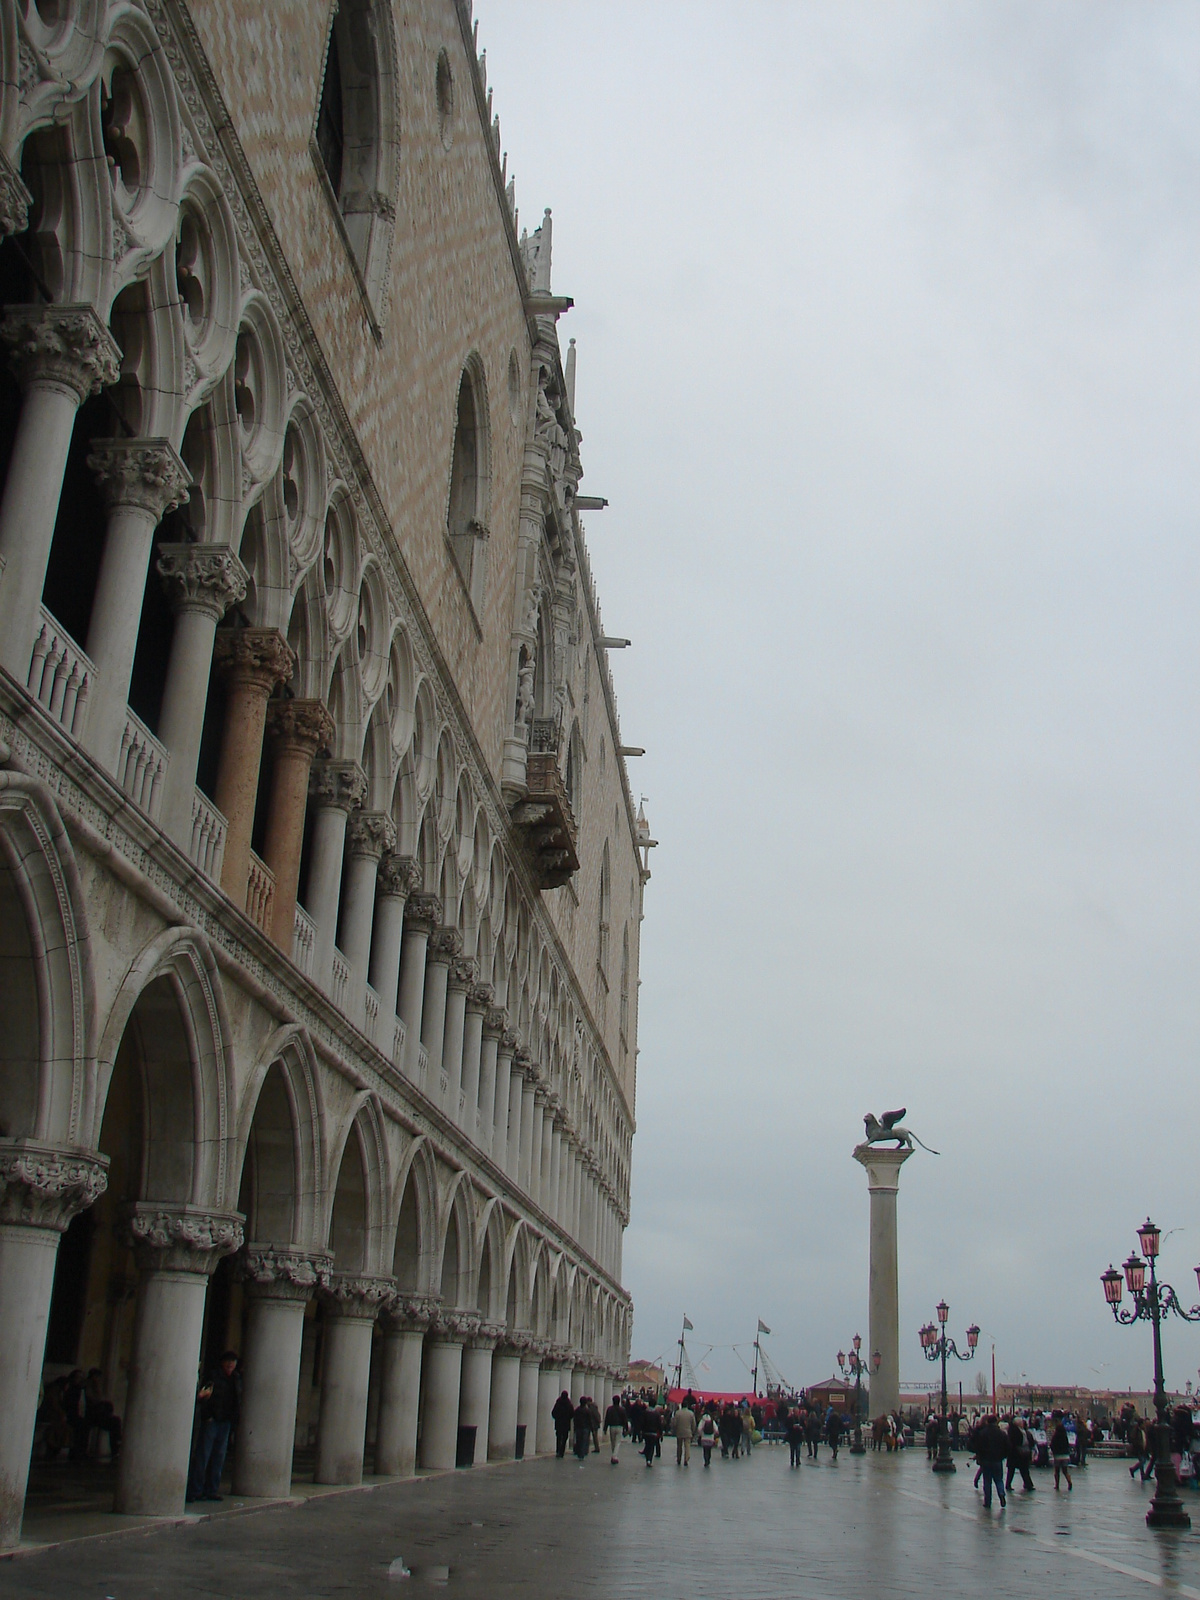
column 524, row 697
column 880, row 1130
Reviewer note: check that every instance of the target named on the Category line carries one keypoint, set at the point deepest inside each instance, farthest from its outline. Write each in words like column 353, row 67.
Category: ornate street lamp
column 1151, row 1303
column 853, row 1366
column 937, row 1345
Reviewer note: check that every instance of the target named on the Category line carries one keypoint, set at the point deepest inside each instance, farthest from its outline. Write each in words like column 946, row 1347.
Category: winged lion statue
column 881, row 1130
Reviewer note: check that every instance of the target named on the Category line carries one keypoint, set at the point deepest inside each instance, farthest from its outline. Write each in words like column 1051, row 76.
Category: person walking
column 614, row 1426
column 220, row 1406
column 991, row 1448
column 707, row 1437
column 581, row 1422
column 1020, row 1454
column 594, row 1420
column 833, row 1430
column 563, row 1413
column 683, row 1426
column 795, row 1437
column 813, row 1432
column 747, row 1417
column 652, row 1427
column 1140, row 1449
column 1060, row 1450
column 932, row 1428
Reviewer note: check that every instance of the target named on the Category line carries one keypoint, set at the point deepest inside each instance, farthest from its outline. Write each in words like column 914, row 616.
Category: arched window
column 356, row 139
column 466, row 514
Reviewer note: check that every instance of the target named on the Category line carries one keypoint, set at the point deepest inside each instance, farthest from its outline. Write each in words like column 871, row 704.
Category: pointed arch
column 289, row 1052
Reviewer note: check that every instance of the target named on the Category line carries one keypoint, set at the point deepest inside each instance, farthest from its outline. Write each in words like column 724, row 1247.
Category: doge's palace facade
column 320, row 878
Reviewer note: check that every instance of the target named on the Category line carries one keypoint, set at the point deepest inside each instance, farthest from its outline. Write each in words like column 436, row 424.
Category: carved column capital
column 423, row 912
column 480, row 997
column 356, row 1298
column 452, row 1325
column 486, row 1336
column 182, row 1238
column 207, row 578
column 410, row 1313
column 67, row 346
column 370, row 833
column 445, row 944
column 42, row 1186
column 146, row 474
column 463, row 975
column 399, row 876
column 301, row 726
column 258, row 656
column 15, row 198
column 342, row 784
column 510, row 1043
column 279, row 1272
column 495, row 1020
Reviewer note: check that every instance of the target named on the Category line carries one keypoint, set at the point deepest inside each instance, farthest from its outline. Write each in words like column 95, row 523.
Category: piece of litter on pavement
column 398, row 1569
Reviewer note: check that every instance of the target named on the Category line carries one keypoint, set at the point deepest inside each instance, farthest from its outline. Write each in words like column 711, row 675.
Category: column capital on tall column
column 882, row 1165
column 283, row 1272
column 510, row 1043
column 409, row 1313
column 454, row 1325
column 15, row 198
column 146, row 474
column 488, row 1336
column 338, row 783
column 495, row 1019
column 303, row 726
column 445, row 945
column 207, row 578
column 258, row 656
column 423, row 913
column 523, row 1063
column 371, row 834
column 67, row 346
column 463, row 973
column 399, row 876
column 44, row 1186
column 480, row 996
column 182, row 1238
column 356, row 1298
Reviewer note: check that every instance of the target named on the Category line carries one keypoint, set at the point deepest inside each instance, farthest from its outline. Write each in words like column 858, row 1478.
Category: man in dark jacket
column 562, row 1411
column 1020, row 1454
column 219, row 1402
column 991, row 1449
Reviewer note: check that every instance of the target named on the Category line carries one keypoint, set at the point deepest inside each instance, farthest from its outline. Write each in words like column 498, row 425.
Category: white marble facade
column 318, row 860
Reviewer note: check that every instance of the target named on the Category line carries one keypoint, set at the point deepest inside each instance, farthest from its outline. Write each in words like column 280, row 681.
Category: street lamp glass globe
column 876, row 1359
column 841, row 1358
column 1114, row 1288
column 1148, row 1237
column 943, row 1311
column 857, row 1342
column 973, row 1335
column 1135, row 1274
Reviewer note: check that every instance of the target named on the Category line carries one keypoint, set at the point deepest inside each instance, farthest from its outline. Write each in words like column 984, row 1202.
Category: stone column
column 553, row 1194
column 397, row 878
column 475, row 1395
column 337, row 789
column 508, row 1117
column 549, row 1389
column 882, row 1167
column 61, row 354
column 421, row 916
column 351, row 1306
column 41, row 1189
column 177, row 1248
column 544, row 1192
column 502, row 1405
column 489, row 1043
column 532, row 1157
column 443, row 1381
column 479, row 998
column 297, row 729
column 578, row 1379
column 141, row 480
column 404, row 1325
column 278, row 1283
column 369, row 834
column 444, row 948
column 529, row 1394
column 459, row 980
column 252, row 661
column 528, row 1091
column 202, row 581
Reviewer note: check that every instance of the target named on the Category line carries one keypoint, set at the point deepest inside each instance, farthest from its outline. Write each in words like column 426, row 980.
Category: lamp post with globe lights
column 854, row 1365
column 1152, row 1301
column 937, row 1345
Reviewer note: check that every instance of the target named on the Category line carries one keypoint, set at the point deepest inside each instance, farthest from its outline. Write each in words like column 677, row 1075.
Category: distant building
column 646, row 1375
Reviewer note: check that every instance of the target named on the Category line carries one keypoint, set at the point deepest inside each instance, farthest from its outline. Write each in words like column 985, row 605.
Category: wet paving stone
column 746, row 1530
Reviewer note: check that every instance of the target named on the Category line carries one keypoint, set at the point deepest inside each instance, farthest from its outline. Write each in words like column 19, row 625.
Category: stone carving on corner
column 259, row 656
column 301, row 725
column 370, row 833
column 423, row 912
column 182, row 1238
column 409, row 1312
column 399, row 876
column 66, row 344
column 144, row 473
column 207, row 578
column 15, row 198
column 42, row 1186
column 445, row 945
column 276, row 1272
column 338, row 783
column 360, row 1298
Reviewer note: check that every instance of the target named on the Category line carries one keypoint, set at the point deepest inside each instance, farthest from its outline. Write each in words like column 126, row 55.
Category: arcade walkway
column 751, row 1530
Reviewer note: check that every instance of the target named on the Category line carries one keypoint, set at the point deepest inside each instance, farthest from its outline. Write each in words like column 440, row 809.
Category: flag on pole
column 687, row 1324
column 762, row 1327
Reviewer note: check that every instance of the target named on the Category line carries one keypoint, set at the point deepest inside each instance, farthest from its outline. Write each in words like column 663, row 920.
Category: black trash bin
column 465, row 1455
column 520, row 1450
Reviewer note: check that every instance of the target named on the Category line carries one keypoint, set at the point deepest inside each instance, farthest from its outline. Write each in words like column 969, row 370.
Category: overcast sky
column 888, row 364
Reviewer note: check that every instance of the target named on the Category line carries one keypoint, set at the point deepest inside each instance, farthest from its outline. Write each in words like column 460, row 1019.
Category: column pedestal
column 279, row 1284
column 177, row 1249
column 882, row 1166
column 41, row 1189
column 351, row 1306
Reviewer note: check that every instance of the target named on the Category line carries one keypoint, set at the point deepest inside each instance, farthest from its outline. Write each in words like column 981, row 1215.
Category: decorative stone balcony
column 544, row 814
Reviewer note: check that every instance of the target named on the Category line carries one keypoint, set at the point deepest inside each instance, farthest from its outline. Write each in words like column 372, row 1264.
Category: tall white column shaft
column 502, row 1408
column 882, row 1167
